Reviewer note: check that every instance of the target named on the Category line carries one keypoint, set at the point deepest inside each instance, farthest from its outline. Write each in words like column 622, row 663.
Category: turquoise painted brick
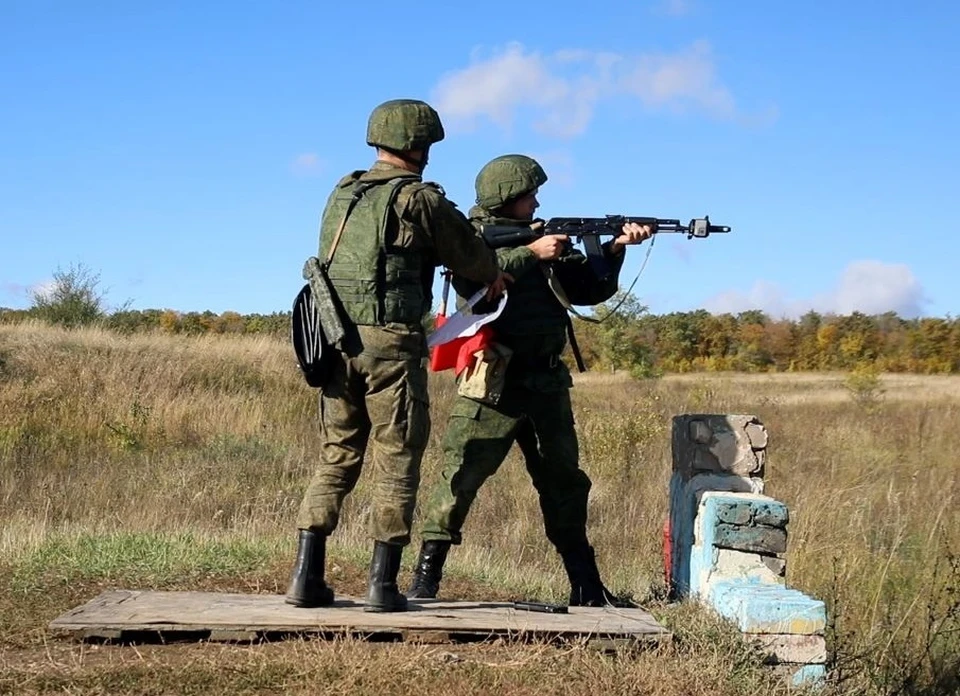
column 767, row 608
column 771, row 540
column 700, row 558
column 771, row 513
column 809, row 675
column 733, row 511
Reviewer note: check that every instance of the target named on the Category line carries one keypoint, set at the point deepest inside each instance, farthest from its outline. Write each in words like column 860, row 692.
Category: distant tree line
column 751, row 341
column 628, row 337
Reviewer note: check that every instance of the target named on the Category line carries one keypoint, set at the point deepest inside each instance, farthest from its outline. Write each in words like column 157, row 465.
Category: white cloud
column 26, row 293
column 683, row 80
column 871, row 287
column 675, row 8
column 305, row 163
column 44, row 289
column 874, row 287
column 560, row 91
column 763, row 295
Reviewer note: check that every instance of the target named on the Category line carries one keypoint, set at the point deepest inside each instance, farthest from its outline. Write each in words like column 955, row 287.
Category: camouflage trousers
column 375, row 410
column 476, row 441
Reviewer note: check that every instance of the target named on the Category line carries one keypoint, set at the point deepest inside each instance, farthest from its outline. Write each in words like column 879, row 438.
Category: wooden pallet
column 129, row 615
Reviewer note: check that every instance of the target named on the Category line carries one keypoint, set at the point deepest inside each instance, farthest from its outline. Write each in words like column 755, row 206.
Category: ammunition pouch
column 485, row 379
column 316, row 327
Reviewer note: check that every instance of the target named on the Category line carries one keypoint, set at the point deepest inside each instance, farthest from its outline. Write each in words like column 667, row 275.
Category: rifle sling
column 357, row 194
column 574, row 346
column 554, row 284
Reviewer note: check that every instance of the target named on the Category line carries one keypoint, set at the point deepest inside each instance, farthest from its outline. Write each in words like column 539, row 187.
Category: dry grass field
column 159, row 462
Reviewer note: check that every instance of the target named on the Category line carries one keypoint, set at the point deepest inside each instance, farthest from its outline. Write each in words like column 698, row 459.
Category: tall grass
column 183, row 444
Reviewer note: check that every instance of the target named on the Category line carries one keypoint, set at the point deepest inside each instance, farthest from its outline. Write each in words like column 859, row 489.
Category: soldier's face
column 524, row 207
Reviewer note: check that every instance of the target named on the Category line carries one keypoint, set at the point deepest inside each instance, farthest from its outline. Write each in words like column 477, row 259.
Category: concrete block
column 713, row 506
column 770, row 540
column 809, row 675
column 757, row 510
column 757, row 434
column 765, row 608
column 733, row 511
column 733, row 444
column 710, row 565
column 778, row 566
column 685, row 495
column 780, row 648
column 729, row 564
column 751, row 541
column 773, row 514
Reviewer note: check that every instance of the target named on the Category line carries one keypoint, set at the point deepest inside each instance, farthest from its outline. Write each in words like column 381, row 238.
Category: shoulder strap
column 358, row 190
column 554, row 284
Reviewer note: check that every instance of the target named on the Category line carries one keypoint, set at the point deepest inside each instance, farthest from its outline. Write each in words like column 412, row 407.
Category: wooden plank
column 216, row 616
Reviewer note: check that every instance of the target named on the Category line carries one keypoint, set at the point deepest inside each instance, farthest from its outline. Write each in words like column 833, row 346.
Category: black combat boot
column 383, row 593
column 586, row 587
column 429, row 569
column 307, row 587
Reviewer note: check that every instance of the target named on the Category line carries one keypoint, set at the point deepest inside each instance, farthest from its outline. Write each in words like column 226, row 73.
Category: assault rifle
column 589, row 231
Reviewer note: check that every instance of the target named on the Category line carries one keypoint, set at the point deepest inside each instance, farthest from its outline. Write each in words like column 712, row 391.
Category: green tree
column 72, row 299
column 619, row 339
column 678, row 340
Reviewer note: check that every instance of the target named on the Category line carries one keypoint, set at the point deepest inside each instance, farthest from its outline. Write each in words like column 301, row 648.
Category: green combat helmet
column 506, row 178
column 404, row 124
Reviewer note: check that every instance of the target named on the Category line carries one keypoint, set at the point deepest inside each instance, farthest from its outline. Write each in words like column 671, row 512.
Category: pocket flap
column 465, row 408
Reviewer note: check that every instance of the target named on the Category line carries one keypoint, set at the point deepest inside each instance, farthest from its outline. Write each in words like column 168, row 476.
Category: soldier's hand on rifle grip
column 632, row 234
column 549, row 246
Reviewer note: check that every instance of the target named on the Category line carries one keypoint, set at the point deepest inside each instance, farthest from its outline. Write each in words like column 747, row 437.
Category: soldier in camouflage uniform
column 534, row 407
column 389, row 231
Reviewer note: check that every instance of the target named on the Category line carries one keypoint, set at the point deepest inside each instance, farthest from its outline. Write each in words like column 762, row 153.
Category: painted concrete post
column 710, row 453
column 729, row 541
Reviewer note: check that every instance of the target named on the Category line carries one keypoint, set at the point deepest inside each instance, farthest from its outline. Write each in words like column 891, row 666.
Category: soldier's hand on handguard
column 632, row 234
column 549, row 246
column 496, row 288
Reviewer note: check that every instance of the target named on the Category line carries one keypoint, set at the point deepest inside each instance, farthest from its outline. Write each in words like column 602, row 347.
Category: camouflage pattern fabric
column 375, row 283
column 333, row 330
column 374, row 409
column 534, row 410
column 424, row 222
column 475, row 443
column 404, row 124
column 507, row 177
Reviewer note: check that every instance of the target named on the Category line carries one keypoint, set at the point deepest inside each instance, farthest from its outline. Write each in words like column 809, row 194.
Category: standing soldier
column 383, row 233
column 533, row 408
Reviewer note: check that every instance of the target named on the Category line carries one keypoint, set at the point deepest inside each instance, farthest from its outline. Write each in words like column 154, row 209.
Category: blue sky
column 184, row 150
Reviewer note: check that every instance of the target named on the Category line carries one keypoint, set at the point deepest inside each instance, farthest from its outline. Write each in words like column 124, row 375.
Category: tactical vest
column 375, row 285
